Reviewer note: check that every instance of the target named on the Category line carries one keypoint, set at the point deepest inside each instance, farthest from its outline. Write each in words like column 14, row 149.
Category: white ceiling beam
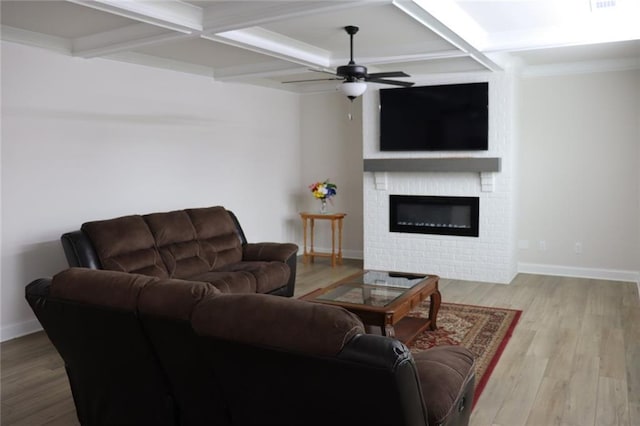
column 171, row 14
column 584, row 67
column 122, row 39
column 551, row 37
column 446, row 19
column 233, row 15
column 264, row 70
column 18, row 35
column 159, row 62
column 278, row 68
column 417, row 57
column 276, row 45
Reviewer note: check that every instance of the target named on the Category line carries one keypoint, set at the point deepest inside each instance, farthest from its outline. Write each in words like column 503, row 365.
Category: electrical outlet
column 578, row 248
column 542, row 245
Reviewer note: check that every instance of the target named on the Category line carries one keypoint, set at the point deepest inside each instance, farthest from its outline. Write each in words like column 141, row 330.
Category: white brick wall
column 490, row 257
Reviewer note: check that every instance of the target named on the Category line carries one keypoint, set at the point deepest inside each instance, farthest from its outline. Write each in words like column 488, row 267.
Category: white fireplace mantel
column 454, row 164
column 485, row 166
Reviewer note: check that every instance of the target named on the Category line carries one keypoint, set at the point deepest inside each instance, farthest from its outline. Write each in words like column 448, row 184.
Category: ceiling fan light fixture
column 353, row 89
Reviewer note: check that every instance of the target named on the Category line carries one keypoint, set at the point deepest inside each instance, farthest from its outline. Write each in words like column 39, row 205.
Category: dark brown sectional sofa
column 142, row 350
column 202, row 244
column 170, row 319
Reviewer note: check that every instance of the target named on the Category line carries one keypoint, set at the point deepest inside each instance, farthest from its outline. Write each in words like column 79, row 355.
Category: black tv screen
column 452, row 117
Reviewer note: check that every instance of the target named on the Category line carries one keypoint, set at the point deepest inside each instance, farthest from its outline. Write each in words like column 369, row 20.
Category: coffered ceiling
column 266, row 42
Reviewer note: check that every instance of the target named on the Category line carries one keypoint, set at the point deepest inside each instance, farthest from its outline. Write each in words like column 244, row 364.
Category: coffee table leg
column 380, row 330
column 389, row 331
column 434, row 307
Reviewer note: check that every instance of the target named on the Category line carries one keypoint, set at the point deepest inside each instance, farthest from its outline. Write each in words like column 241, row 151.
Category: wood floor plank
column 612, row 355
column 631, row 336
column 582, row 391
column 634, row 414
column 573, row 358
column 516, row 407
column 548, row 407
column 503, row 379
column 612, row 404
column 558, row 347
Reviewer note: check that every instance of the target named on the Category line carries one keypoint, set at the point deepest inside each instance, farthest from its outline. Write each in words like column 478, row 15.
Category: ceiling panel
column 272, row 38
column 505, row 16
column 205, row 52
column 58, row 18
column 326, row 30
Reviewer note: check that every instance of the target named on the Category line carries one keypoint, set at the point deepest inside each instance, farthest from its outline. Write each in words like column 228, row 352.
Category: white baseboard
column 353, row 254
column 346, row 254
column 18, row 330
column 573, row 271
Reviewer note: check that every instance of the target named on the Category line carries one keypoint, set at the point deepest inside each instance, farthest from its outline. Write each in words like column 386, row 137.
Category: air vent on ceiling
column 602, row 4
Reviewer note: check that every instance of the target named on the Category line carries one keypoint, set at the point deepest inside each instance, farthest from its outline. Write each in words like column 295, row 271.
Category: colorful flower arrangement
column 323, row 190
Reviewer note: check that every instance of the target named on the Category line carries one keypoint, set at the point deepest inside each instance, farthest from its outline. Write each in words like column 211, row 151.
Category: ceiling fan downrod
column 352, row 71
column 351, row 30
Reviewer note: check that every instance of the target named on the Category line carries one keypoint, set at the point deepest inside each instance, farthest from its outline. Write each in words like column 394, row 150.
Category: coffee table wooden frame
column 392, row 319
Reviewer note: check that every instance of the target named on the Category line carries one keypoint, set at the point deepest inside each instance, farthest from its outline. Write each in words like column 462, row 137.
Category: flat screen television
column 452, row 117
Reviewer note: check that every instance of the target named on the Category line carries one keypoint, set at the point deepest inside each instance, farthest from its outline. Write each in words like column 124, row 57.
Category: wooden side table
column 335, row 218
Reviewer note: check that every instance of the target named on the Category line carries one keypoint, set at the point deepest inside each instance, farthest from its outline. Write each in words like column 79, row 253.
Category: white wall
column 580, row 174
column 332, row 148
column 94, row 139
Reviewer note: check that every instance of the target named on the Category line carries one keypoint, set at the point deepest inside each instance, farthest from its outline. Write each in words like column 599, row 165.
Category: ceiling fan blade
column 388, row 74
column 315, row 79
column 322, row 71
column 392, row 82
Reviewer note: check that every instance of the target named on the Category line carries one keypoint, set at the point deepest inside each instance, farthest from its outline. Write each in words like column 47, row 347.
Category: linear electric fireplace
column 434, row 215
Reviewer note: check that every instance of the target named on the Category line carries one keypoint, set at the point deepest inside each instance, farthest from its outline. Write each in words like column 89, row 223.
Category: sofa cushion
column 96, row 287
column 444, row 373
column 126, row 244
column 272, row 321
column 173, row 298
column 269, row 275
column 217, row 235
column 229, row 282
column 177, row 243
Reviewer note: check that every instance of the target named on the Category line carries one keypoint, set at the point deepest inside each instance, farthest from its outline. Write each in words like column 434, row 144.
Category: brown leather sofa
column 203, row 244
column 143, row 350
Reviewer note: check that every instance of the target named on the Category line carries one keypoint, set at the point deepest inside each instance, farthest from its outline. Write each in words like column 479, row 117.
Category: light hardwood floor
column 574, row 358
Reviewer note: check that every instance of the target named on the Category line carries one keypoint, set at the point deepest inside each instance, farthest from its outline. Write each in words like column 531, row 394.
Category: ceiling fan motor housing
column 352, row 71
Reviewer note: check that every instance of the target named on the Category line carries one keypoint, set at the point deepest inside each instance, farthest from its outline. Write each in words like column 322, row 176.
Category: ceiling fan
column 355, row 76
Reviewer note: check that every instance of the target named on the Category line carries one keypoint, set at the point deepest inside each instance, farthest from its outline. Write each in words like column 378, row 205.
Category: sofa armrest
column 268, row 252
column 38, row 288
column 275, row 252
column 79, row 251
column 447, row 378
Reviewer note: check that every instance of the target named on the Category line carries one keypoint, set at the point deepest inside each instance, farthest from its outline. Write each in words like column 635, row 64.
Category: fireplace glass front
column 434, row 215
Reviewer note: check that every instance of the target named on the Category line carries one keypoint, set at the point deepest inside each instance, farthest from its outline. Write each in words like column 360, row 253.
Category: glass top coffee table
column 384, row 299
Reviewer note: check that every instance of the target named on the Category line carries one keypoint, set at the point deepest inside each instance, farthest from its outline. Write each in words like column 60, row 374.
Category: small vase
column 323, row 206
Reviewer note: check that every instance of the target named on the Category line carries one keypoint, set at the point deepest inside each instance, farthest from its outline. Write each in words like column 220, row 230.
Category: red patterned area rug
column 483, row 330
